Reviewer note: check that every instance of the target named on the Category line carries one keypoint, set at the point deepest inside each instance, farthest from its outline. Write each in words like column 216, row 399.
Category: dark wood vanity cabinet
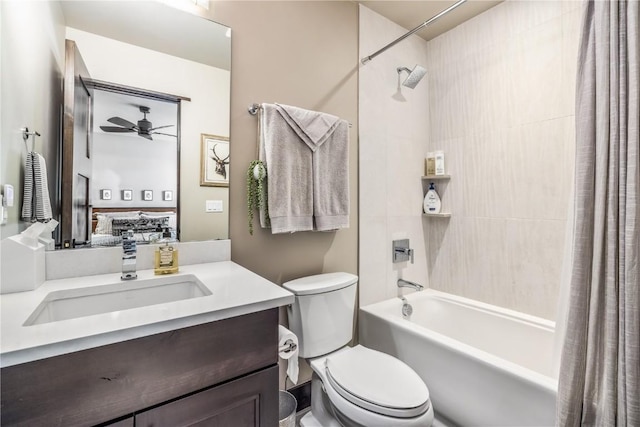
column 237, row 403
column 222, row 373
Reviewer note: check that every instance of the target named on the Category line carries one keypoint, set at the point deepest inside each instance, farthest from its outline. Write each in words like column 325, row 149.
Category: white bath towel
column 36, row 205
column 307, row 158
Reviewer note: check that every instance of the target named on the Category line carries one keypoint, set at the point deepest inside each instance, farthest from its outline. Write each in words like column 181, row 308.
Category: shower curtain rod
column 419, row 27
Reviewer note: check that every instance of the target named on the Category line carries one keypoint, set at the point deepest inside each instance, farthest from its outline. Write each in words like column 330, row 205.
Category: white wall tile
column 485, row 174
column 538, row 175
column 406, row 159
column 571, row 5
column 373, row 167
column 445, row 260
column 536, row 85
column 499, row 102
column 394, row 126
column 485, row 259
column 571, row 27
column 536, row 249
column 373, row 250
column 522, row 15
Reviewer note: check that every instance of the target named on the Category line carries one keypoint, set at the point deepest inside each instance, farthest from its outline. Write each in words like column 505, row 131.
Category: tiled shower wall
column 501, row 100
column 393, row 143
column 500, row 91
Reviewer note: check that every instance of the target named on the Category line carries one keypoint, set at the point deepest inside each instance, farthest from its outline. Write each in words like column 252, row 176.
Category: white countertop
column 235, row 291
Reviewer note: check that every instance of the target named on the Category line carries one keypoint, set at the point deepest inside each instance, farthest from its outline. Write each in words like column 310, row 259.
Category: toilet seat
column 377, row 382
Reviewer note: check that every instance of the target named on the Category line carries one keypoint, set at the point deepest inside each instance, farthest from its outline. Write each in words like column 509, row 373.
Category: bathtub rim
column 383, row 310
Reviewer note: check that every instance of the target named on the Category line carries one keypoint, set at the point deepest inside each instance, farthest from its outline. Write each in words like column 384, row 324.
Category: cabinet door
column 247, row 401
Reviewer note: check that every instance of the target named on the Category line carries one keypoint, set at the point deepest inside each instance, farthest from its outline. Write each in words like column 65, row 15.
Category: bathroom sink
column 87, row 301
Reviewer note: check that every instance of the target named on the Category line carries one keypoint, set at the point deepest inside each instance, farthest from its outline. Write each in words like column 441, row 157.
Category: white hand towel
column 285, row 337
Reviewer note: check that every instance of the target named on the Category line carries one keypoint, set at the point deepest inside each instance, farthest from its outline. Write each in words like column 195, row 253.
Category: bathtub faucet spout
column 407, row 284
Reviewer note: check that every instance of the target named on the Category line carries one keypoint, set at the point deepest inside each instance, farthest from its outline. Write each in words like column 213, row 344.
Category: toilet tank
column 323, row 312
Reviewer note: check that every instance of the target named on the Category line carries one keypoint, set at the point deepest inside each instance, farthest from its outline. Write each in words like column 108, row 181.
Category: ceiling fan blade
column 115, row 129
column 160, row 127
column 166, row 134
column 122, row 122
column 144, row 135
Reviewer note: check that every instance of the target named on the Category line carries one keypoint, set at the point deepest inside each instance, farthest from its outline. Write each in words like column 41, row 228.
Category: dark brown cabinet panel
column 246, row 402
column 97, row 385
column 127, row 422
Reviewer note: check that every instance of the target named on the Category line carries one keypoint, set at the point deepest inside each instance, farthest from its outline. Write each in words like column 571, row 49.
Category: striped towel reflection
column 36, row 205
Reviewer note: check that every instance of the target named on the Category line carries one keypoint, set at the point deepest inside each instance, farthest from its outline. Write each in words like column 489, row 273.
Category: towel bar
column 25, row 137
column 254, row 108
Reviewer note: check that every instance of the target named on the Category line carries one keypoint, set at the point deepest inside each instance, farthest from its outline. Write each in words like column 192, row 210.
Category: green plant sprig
column 256, row 192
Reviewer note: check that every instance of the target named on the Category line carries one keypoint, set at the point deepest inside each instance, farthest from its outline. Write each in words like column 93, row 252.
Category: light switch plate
column 213, row 206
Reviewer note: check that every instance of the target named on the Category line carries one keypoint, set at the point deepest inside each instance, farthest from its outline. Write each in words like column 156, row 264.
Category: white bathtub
column 484, row 365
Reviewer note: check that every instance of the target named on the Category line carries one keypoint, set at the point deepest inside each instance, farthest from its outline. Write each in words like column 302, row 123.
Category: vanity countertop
column 235, row 291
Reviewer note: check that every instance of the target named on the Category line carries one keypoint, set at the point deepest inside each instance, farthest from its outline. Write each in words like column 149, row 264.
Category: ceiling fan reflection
column 143, row 128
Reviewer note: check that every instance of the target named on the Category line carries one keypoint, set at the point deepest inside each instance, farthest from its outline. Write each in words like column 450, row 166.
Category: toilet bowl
column 364, row 387
column 351, row 386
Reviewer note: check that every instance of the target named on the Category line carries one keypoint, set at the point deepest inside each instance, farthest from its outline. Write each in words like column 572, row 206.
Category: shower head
column 414, row 76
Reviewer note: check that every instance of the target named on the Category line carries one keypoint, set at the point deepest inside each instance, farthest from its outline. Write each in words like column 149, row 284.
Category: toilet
column 350, row 386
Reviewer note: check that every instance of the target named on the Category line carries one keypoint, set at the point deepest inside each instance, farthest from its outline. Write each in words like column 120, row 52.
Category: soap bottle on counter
column 432, row 202
column 166, row 260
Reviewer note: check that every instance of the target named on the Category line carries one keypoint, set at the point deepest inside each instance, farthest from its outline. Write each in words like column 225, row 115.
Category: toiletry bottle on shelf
column 439, row 162
column 432, row 203
column 166, row 260
column 430, row 164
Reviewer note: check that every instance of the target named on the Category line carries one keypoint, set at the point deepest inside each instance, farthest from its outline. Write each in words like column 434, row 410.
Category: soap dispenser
column 432, row 202
column 166, row 260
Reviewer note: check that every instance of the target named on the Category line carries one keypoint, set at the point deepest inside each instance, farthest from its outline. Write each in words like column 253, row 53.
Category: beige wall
column 501, row 99
column 296, row 53
column 303, row 54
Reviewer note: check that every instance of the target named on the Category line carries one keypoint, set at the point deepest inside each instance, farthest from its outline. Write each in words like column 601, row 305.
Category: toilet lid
column 377, row 382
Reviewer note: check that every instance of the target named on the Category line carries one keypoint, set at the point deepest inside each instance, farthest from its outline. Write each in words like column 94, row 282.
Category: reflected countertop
column 234, row 290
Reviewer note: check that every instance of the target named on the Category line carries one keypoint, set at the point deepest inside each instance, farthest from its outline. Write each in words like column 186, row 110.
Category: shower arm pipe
column 418, row 28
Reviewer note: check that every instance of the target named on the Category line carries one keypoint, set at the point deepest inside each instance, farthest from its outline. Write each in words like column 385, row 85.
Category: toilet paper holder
column 287, row 347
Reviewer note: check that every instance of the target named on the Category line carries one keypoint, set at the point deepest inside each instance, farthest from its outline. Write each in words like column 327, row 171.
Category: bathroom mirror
column 145, row 46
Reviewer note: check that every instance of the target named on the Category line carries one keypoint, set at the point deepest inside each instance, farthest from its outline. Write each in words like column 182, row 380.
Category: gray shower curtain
column 599, row 380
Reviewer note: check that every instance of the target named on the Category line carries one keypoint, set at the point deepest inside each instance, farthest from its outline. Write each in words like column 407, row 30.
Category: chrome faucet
column 407, row 284
column 129, row 251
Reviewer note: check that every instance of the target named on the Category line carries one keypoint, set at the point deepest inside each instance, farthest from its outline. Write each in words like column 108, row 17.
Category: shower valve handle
column 402, row 251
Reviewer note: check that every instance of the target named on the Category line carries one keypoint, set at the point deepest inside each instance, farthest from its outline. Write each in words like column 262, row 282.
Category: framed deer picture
column 214, row 165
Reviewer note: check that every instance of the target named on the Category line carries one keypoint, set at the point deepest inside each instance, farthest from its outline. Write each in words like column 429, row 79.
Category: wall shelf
column 430, row 178
column 435, row 177
column 438, row 215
